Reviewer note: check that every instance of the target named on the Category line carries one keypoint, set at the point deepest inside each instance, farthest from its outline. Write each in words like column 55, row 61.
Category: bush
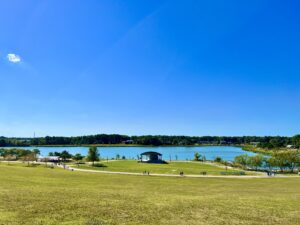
column 218, row 159
column 33, row 165
column 99, row 165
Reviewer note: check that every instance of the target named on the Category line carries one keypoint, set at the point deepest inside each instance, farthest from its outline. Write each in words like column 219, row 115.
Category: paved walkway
column 175, row 175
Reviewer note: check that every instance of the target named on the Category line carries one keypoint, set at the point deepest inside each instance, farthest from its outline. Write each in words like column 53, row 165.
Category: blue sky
column 149, row 67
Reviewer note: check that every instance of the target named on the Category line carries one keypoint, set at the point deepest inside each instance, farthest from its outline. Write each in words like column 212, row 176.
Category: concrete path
column 175, row 175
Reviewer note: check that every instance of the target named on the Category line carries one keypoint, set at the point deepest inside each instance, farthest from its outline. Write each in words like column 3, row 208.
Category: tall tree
column 65, row 155
column 197, row 156
column 29, row 157
column 296, row 140
column 256, row 161
column 93, row 155
column 242, row 160
column 36, row 152
column 77, row 157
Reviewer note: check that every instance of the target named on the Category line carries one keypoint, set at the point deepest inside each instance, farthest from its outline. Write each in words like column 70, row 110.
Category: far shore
column 123, row 145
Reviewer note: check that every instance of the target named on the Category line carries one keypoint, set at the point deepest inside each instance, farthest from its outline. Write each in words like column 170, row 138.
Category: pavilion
column 151, row 157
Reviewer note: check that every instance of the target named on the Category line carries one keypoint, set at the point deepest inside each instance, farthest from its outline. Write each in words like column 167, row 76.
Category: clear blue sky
column 149, row 67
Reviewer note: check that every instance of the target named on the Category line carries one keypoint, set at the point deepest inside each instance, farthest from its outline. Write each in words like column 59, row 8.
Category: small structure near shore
column 54, row 159
column 151, row 157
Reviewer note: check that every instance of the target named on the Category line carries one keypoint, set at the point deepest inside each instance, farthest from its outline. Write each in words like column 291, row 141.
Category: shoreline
column 121, row 145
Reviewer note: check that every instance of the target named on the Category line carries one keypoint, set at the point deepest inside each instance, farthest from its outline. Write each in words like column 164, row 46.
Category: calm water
column 182, row 153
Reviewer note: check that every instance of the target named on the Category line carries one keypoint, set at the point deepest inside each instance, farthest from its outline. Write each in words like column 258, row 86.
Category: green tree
column 93, row 155
column 270, row 162
column 293, row 159
column 296, row 140
column 242, row 160
column 197, row 156
column 77, row 157
column 281, row 160
column 65, row 155
column 218, row 159
column 287, row 159
column 256, row 161
column 29, row 157
column 36, row 152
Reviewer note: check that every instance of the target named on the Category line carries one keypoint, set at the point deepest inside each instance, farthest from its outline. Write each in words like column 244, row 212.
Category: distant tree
column 277, row 142
column 197, row 156
column 9, row 157
column 36, row 152
column 255, row 161
column 77, row 157
column 218, row 159
column 270, row 162
column 290, row 159
column 29, row 157
column 296, row 140
column 65, row 155
column 281, row 159
column 57, row 154
column 118, row 156
column 2, row 152
column 51, row 154
column 2, row 142
column 93, row 155
column 242, row 160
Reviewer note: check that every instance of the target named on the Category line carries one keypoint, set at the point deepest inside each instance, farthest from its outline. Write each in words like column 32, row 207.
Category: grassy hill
column 39, row 195
column 174, row 167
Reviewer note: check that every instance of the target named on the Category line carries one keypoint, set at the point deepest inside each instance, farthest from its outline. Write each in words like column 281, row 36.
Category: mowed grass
column 39, row 195
column 170, row 168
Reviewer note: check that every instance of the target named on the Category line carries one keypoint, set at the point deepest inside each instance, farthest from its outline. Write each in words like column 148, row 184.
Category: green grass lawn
column 170, row 168
column 40, row 195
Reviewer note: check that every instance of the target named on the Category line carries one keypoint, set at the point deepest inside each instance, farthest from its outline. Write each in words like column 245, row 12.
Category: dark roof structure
column 151, row 157
column 151, row 153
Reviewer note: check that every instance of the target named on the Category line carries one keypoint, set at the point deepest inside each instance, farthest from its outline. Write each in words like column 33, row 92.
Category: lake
column 181, row 153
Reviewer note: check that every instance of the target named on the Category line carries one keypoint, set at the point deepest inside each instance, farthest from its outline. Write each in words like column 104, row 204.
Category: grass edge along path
column 138, row 172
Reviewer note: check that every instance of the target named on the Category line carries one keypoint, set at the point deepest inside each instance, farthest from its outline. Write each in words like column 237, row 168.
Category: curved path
column 174, row 175
column 67, row 167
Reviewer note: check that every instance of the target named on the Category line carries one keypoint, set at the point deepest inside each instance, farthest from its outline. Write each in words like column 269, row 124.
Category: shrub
column 99, row 165
column 218, row 159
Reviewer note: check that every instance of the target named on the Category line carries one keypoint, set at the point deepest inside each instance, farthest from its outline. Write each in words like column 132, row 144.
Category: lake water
column 181, row 153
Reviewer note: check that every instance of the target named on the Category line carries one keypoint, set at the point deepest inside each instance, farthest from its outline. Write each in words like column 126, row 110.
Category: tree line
column 13, row 154
column 284, row 160
column 19, row 154
column 268, row 142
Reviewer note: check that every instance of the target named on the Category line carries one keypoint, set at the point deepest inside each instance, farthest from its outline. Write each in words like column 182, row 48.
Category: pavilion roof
column 151, row 153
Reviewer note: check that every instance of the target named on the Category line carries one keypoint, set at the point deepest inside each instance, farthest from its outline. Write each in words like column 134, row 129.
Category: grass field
column 39, row 195
column 170, row 168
